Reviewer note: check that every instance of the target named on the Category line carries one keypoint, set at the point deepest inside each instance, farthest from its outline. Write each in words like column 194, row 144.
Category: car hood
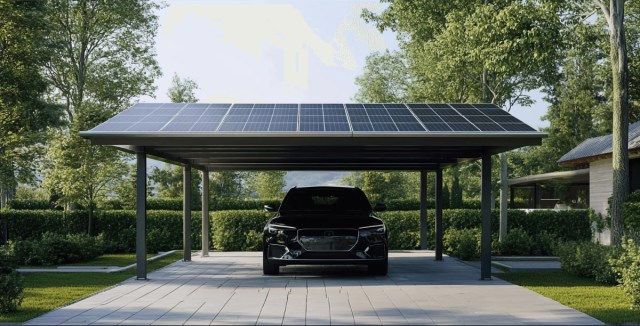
column 325, row 221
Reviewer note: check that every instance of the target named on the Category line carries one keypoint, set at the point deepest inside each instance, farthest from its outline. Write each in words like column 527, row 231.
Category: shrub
column 30, row 204
column 587, row 259
column 464, row 243
column 53, row 249
column 631, row 213
column 404, row 230
column 11, row 282
column 627, row 270
column 544, row 244
column 238, row 230
column 517, row 242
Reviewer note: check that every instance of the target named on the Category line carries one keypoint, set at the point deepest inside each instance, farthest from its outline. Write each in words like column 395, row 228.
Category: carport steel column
column 485, row 241
column 205, row 212
column 439, row 231
column 186, row 212
column 141, row 214
column 423, row 209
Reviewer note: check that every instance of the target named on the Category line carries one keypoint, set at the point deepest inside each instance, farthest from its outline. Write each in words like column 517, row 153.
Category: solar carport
column 409, row 137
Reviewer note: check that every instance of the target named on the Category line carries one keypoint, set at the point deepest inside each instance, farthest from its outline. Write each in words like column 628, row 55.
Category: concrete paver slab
column 229, row 288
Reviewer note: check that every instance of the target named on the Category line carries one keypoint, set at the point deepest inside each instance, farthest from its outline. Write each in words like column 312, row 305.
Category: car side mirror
column 270, row 208
column 380, row 207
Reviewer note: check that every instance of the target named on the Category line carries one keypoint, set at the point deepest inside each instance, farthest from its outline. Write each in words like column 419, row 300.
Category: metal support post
column 439, row 230
column 141, row 215
column 205, row 212
column 186, row 212
column 423, row 209
column 485, row 259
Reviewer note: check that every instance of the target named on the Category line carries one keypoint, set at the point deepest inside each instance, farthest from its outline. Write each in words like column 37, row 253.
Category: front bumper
column 292, row 252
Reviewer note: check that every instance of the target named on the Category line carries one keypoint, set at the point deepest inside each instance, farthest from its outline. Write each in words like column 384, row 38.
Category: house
column 596, row 154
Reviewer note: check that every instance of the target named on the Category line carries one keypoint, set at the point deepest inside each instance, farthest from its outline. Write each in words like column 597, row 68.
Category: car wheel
column 380, row 268
column 269, row 268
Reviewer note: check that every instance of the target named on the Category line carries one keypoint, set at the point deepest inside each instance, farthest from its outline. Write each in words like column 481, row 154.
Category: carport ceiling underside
column 314, row 136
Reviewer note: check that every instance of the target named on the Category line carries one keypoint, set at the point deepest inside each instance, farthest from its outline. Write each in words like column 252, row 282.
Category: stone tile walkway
column 229, row 288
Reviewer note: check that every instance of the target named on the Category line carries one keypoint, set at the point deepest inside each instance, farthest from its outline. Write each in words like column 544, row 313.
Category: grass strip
column 47, row 291
column 606, row 303
column 119, row 260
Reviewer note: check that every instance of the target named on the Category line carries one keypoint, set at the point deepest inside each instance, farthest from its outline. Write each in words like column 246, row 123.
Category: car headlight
column 374, row 233
column 281, row 233
column 278, row 228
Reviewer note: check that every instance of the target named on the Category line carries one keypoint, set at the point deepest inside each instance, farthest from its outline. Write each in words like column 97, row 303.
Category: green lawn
column 111, row 260
column 47, row 291
column 606, row 303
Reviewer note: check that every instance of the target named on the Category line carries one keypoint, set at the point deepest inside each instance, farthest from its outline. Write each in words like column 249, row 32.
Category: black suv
column 325, row 225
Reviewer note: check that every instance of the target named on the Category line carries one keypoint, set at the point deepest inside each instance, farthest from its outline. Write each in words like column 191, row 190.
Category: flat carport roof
column 396, row 136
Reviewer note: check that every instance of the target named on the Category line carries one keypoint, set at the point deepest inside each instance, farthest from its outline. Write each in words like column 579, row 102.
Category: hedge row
column 404, row 226
column 241, row 229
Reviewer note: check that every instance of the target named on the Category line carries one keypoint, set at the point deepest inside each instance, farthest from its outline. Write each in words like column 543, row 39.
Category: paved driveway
column 229, row 288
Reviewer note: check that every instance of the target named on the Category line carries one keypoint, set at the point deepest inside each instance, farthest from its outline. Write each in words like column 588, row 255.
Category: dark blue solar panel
column 257, row 126
column 489, row 127
column 210, row 127
column 313, row 117
column 479, row 119
column 516, row 127
column 178, row 126
column 384, row 127
column 279, row 126
column 361, row 126
column 147, row 126
column 409, row 126
column 113, row 126
column 232, row 126
column 462, row 127
column 337, row 126
column 437, row 126
column 453, row 118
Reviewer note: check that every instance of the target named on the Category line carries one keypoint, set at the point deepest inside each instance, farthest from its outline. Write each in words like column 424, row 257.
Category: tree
column 81, row 172
column 613, row 13
column 385, row 79
column 227, row 184
column 470, row 51
column 168, row 183
column 103, row 58
column 380, row 186
column 267, row 184
column 182, row 90
column 24, row 113
column 104, row 54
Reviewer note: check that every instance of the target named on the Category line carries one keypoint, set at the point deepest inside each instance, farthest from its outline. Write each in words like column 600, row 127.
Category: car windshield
column 347, row 200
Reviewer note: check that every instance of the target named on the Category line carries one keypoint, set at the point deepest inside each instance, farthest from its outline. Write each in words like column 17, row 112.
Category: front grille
column 327, row 239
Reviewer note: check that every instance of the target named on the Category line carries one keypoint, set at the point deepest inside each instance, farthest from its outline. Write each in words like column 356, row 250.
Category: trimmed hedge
column 240, row 229
column 30, row 204
column 404, row 226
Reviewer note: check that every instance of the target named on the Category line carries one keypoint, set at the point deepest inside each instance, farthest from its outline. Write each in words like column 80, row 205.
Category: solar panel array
column 313, row 118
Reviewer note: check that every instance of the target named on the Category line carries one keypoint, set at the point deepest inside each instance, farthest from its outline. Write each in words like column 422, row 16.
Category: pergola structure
column 316, row 137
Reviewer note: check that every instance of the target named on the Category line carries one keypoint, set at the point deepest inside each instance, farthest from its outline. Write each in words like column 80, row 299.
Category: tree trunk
column 90, row 221
column 620, row 110
column 504, row 193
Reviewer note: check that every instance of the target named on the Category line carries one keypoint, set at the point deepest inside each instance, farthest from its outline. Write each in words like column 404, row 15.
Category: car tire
column 269, row 268
column 380, row 268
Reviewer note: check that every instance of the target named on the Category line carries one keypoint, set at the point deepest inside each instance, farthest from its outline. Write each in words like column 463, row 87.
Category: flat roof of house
column 574, row 177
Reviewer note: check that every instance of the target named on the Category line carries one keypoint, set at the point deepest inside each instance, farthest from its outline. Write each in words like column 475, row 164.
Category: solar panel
column 314, row 118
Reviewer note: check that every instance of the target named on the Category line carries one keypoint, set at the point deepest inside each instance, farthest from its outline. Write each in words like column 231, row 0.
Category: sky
column 295, row 51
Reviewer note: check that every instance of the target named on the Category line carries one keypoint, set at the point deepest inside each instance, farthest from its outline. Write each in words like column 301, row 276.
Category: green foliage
column 267, row 184
column 380, row 187
column 404, row 229
column 21, row 204
column 182, row 90
column 385, row 79
column 53, row 249
column 587, row 259
column 168, row 183
column 627, row 270
column 11, row 287
column 238, row 230
column 544, row 244
column 517, row 242
column 462, row 243
column 631, row 212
